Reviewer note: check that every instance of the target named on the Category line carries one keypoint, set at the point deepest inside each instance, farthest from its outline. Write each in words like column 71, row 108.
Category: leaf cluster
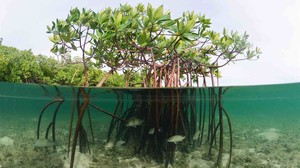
column 147, row 39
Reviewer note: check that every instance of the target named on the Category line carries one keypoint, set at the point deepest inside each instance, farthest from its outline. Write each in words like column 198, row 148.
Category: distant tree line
column 23, row 66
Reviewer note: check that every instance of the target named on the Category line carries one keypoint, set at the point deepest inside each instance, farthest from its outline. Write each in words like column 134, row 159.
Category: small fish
column 120, row 143
column 176, row 138
column 109, row 146
column 133, row 122
column 151, row 131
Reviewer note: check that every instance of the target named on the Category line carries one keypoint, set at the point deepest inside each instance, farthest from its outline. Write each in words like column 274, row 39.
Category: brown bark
column 104, row 78
column 128, row 77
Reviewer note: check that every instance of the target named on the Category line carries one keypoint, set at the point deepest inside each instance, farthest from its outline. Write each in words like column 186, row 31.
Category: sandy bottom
column 253, row 146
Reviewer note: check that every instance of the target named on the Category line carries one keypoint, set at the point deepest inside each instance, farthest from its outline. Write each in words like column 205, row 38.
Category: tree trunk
column 104, row 78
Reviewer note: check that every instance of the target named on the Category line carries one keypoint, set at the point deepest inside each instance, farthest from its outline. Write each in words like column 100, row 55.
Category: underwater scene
column 85, row 127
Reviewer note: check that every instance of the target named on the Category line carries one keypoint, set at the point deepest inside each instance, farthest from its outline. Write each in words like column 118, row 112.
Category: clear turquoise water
column 255, row 112
column 266, row 106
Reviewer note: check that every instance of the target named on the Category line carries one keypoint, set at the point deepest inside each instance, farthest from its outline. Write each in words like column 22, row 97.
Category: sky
column 273, row 26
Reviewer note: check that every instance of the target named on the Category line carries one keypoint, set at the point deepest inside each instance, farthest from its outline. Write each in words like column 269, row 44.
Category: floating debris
column 151, row 131
column 176, row 138
column 133, row 122
column 43, row 143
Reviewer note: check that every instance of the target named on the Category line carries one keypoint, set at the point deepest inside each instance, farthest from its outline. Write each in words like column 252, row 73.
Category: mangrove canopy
column 144, row 40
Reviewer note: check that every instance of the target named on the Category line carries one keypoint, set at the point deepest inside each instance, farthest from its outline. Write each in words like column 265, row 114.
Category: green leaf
column 62, row 50
column 163, row 18
column 141, row 38
column 65, row 37
column 108, row 36
column 49, row 29
column 93, row 36
column 54, row 39
column 73, row 46
column 118, row 19
column 169, row 24
column 54, row 49
column 125, row 25
column 72, row 34
column 228, row 42
column 140, row 7
column 225, row 32
column 207, row 22
column 145, row 22
column 158, row 12
column 218, row 74
column 99, row 34
column 189, row 25
column 150, row 12
column 216, row 37
column 191, row 36
column 87, row 53
column 53, row 25
column 75, row 11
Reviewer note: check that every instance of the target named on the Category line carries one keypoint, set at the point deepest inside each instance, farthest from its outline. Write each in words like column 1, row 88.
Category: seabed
column 265, row 124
